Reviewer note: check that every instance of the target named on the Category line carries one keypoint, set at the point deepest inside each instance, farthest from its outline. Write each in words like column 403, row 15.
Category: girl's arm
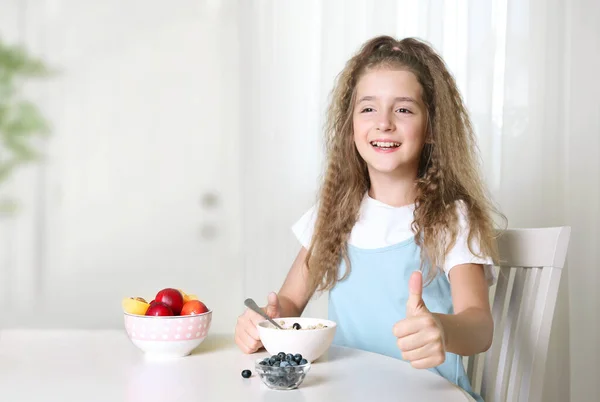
column 470, row 329
column 294, row 294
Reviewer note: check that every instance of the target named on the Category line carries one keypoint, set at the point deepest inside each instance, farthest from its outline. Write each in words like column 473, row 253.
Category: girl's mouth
column 385, row 146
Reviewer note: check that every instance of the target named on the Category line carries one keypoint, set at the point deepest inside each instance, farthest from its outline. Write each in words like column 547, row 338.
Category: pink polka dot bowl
column 169, row 336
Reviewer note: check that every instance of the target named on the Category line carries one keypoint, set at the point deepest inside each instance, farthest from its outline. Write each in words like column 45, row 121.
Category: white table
column 105, row 366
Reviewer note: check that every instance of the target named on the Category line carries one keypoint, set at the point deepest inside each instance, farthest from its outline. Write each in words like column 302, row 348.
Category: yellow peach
column 134, row 306
column 186, row 297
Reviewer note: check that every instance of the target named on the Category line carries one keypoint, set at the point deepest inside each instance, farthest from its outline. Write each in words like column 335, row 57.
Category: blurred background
column 178, row 142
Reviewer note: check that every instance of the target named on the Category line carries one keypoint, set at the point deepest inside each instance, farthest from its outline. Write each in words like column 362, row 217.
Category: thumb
column 415, row 303
column 272, row 305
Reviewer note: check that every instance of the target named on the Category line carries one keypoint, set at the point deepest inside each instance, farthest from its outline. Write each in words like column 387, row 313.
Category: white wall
column 145, row 126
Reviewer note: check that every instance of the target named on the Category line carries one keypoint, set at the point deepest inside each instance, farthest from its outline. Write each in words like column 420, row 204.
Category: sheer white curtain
column 522, row 67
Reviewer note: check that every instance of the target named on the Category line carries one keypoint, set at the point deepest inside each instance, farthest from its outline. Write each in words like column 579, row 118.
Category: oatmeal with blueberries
column 297, row 326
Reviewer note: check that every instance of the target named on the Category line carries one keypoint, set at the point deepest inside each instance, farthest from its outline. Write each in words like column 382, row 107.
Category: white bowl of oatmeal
column 310, row 337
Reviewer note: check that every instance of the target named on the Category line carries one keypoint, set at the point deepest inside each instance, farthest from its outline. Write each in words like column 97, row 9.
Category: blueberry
column 284, row 364
column 296, row 326
column 293, row 363
column 281, row 355
column 272, row 361
column 303, row 361
column 297, row 357
column 264, row 363
column 289, row 357
column 277, row 364
column 246, row 373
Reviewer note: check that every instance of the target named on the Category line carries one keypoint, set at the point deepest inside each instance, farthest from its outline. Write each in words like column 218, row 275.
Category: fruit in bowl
column 135, row 305
column 309, row 337
column 171, row 298
column 173, row 324
column 194, row 307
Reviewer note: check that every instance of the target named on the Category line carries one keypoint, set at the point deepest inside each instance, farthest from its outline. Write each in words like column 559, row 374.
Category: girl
column 402, row 203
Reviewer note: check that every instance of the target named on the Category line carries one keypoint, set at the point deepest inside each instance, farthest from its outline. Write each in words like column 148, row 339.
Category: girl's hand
column 421, row 337
column 246, row 333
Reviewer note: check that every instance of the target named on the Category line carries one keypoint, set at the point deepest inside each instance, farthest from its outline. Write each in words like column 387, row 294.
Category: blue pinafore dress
column 368, row 303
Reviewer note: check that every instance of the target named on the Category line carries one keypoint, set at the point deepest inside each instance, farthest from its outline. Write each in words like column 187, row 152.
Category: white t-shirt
column 381, row 225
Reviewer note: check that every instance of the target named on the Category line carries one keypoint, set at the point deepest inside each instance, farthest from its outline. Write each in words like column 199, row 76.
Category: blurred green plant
column 21, row 122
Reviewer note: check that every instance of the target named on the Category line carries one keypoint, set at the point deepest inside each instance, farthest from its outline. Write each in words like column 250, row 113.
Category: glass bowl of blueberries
column 282, row 371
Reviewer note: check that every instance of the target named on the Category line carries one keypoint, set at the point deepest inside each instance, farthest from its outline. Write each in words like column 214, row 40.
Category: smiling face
column 389, row 121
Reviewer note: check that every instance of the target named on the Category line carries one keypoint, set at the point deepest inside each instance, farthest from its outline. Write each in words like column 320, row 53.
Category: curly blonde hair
column 448, row 169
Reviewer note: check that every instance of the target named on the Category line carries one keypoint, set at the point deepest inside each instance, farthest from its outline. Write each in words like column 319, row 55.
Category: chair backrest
column 530, row 266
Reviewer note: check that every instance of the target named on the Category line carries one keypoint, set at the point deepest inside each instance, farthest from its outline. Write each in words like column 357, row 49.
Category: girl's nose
column 385, row 122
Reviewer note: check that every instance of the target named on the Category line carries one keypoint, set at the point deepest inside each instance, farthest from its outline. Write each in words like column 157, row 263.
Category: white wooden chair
column 530, row 266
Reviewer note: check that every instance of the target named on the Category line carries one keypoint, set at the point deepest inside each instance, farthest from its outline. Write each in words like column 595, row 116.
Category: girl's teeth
column 385, row 144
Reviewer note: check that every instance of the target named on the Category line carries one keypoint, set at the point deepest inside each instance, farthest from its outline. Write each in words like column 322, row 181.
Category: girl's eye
column 370, row 109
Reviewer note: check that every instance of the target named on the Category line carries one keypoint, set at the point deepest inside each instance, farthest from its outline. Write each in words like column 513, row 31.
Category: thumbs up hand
column 421, row 337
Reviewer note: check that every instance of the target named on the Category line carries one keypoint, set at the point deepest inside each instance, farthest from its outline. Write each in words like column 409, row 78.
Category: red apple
column 159, row 309
column 172, row 298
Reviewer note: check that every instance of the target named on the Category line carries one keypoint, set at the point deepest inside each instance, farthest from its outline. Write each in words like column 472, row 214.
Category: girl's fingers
column 411, row 342
column 246, row 342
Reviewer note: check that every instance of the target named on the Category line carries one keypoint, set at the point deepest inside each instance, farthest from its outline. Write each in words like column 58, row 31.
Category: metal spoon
column 251, row 304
